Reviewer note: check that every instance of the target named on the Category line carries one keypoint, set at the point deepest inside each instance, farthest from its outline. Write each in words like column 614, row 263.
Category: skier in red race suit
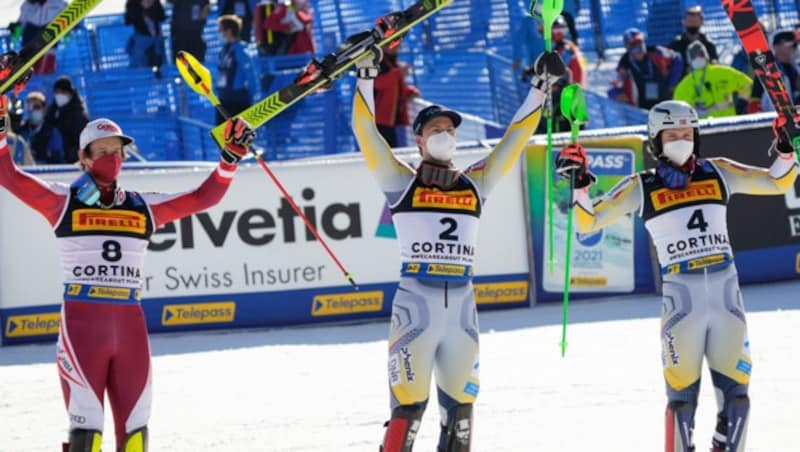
column 103, row 233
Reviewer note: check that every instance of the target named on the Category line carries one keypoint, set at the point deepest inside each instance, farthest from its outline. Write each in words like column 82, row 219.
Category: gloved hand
column 368, row 67
column 548, row 70
column 782, row 143
column 573, row 158
column 7, row 62
column 238, row 136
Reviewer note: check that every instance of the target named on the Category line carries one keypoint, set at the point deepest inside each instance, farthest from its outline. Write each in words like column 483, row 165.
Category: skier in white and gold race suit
column 683, row 202
column 436, row 209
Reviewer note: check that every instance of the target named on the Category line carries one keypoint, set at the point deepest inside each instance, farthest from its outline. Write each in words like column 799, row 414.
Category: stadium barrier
column 248, row 262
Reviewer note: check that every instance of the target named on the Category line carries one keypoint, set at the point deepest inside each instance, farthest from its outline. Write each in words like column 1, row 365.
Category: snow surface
column 324, row 389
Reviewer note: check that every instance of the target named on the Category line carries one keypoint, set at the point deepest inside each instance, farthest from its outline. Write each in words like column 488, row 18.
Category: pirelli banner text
column 250, row 261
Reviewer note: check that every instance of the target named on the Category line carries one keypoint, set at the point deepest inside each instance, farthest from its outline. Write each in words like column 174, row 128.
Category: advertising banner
column 614, row 259
column 250, row 261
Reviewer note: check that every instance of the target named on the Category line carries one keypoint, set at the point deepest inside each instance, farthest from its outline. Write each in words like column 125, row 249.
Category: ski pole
column 573, row 107
column 550, row 10
column 198, row 78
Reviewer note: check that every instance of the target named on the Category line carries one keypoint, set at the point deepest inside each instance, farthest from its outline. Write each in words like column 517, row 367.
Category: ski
column 52, row 33
column 744, row 19
column 320, row 74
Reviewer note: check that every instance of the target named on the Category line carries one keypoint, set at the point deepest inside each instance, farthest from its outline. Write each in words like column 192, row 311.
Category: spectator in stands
column 18, row 147
column 34, row 15
column 68, row 114
column 391, row 98
column 576, row 71
column 236, row 83
column 186, row 28
column 45, row 141
column 646, row 75
column 784, row 47
column 293, row 20
column 146, row 45
column 242, row 8
column 693, row 21
column 711, row 88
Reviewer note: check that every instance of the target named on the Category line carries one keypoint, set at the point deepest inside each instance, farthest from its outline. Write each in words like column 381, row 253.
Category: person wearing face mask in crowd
column 68, row 114
column 693, row 21
column 436, row 209
column 646, row 75
column 45, row 141
column 784, row 47
column 712, row 89
column 103, row 231
column 683, row 202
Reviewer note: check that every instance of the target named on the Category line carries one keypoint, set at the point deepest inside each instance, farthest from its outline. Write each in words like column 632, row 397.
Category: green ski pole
column 573, row 107
column 550, row 10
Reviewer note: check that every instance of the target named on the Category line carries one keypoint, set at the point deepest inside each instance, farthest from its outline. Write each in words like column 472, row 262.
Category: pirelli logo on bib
column 707, row 190
column 103, row 220
column 456, row 200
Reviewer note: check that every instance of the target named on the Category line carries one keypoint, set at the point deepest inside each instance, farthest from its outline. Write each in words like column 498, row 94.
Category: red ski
column 744, row 19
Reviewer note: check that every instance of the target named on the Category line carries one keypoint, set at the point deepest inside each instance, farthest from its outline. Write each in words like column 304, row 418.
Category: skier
column 436, row 209
column 683, row 202
column 103, row 233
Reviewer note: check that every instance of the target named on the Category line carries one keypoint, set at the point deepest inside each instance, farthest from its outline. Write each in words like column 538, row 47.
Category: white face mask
column 699, row 63
column 441, row 146
column 62, row 99
column 678, row 152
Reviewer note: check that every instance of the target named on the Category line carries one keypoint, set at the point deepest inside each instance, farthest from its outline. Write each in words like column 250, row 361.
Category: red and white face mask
column 106, row 168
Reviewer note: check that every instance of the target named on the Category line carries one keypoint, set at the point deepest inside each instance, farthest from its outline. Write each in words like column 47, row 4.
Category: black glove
column 368, row 67
column 7, row 62
column 781, row 143
column 548, row 70
column 238, row 137
column 571, row 159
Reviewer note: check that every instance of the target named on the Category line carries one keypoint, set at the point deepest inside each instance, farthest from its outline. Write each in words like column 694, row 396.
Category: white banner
column 252, row 241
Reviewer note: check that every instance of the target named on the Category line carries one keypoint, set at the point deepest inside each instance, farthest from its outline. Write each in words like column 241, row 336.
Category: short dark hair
column 232, row 23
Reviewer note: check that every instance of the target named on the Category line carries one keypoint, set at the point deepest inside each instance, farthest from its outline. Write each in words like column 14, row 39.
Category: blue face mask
column 37, row 116
column 87, row 190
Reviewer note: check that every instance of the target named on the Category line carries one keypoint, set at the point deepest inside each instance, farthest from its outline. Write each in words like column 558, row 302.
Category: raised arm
column 238, row 137
column 624, row 198
column 47, row 198
column 488, row 172
column 751, row 180
column 392, row 174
